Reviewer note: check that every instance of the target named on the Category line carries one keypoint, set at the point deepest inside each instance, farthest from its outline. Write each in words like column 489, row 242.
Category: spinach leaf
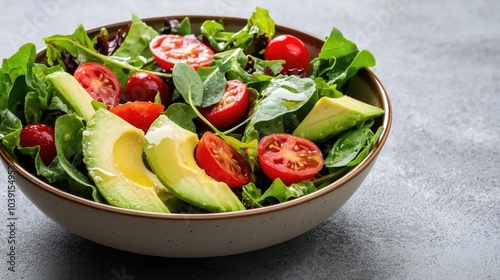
column 68, row 140
column 340, row 59
column 188, row 83
column 284, row 95
column 352, row 146
column 278, row 192
column 183, row 115
column 214, row 84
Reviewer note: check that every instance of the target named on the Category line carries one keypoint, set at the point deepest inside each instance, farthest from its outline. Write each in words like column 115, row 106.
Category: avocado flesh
column 112, row 150
column 72, row 93
column 331, row 116
column 170, row 151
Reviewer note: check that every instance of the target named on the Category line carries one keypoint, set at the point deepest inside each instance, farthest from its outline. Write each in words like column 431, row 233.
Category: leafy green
column 214, row 84
column 183, row 115
column 123, row 63
column 352, row 146
column 259, row 24
column 68, row 139
column 278, row 192
column 339, row 60
column 284, row 95
column 10, row 130
column 12, row 68
column 188, row 83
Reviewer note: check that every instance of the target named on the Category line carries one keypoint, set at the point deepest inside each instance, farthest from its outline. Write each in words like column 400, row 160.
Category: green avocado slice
column 169, row 150
column 332, row 116
column 112, row 150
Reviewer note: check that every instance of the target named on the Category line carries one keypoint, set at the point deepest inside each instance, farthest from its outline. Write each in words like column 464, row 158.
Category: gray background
column 430, row 209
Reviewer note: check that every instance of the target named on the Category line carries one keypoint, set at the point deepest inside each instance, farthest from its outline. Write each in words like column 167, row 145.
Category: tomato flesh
column 231, row 108
column 140, row 114
column 290, row 49
column 142, row 86
column 221, row 161
column 288, row 157
column 43, row 135
column 100, row 82
column 170, row 49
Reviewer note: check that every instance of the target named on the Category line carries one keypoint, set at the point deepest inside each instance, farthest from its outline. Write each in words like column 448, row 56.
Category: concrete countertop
column 430, row 208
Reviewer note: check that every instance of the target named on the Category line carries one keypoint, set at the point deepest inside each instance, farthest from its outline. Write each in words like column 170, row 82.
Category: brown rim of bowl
column 381, row 95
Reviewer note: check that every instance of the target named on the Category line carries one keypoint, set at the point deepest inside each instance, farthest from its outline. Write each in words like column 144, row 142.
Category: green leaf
column 214, row 85
column 123, row 64
column 10, row 130
column 68, row 140
column 327, row 90
column 183, row 115
column 278, row 192
column 348, row 145
column 12, row 69
column 188, row 83
column 339, row 60
column 352, row 147
column 184, row 27
column 33, row 108
column 284, row 95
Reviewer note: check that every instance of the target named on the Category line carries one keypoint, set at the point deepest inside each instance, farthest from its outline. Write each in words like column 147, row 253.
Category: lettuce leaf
column 339, row 60
column 259, row 28
column 130, row 57
column 278, row 192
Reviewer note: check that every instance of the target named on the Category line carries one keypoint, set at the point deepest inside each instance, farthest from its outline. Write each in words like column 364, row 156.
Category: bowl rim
column 381, row 95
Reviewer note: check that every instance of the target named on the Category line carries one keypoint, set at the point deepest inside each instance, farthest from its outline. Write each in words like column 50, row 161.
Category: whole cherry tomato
column 142, row 86
column 43, row 135
column 290, row 49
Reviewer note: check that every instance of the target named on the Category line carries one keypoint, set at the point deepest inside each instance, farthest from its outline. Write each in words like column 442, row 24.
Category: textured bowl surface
column 205, row 235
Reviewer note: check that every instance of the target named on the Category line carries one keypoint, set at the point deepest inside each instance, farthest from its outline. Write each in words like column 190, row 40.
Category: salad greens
column 278, row 104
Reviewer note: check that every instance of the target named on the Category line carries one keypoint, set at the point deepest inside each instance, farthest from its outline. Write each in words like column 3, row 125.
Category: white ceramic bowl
column 204, row 235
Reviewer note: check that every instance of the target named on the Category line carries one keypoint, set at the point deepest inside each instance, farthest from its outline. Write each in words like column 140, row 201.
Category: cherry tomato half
column 43, row 135
column 288, row 48
column 231, row 108
column 169, row 49
column 140, row 114
column 143, row 86
column 100, row 82
column 288, row 157
column 221, row 161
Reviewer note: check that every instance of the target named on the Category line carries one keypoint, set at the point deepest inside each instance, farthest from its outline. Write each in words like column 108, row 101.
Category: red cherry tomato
column 221, row 161
column 140, row 114
column 43, row 135
column 170, row 49
column 231, row 108
column 143, row 86
column 288, row 157
column 288, row 48
column 100, row 82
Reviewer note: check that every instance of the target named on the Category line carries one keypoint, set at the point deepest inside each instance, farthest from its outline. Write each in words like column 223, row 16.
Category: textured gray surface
column 430, row 209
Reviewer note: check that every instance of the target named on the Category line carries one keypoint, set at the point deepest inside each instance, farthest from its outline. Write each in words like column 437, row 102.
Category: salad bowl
column 212, row 234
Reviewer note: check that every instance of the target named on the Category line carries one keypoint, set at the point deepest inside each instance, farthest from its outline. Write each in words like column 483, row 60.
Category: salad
column 177, row 120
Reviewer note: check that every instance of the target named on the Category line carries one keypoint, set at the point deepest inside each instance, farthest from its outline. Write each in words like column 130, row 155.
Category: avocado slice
column 112, row 151
column 72, row 93
column 169, row 150
column 331, row 116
